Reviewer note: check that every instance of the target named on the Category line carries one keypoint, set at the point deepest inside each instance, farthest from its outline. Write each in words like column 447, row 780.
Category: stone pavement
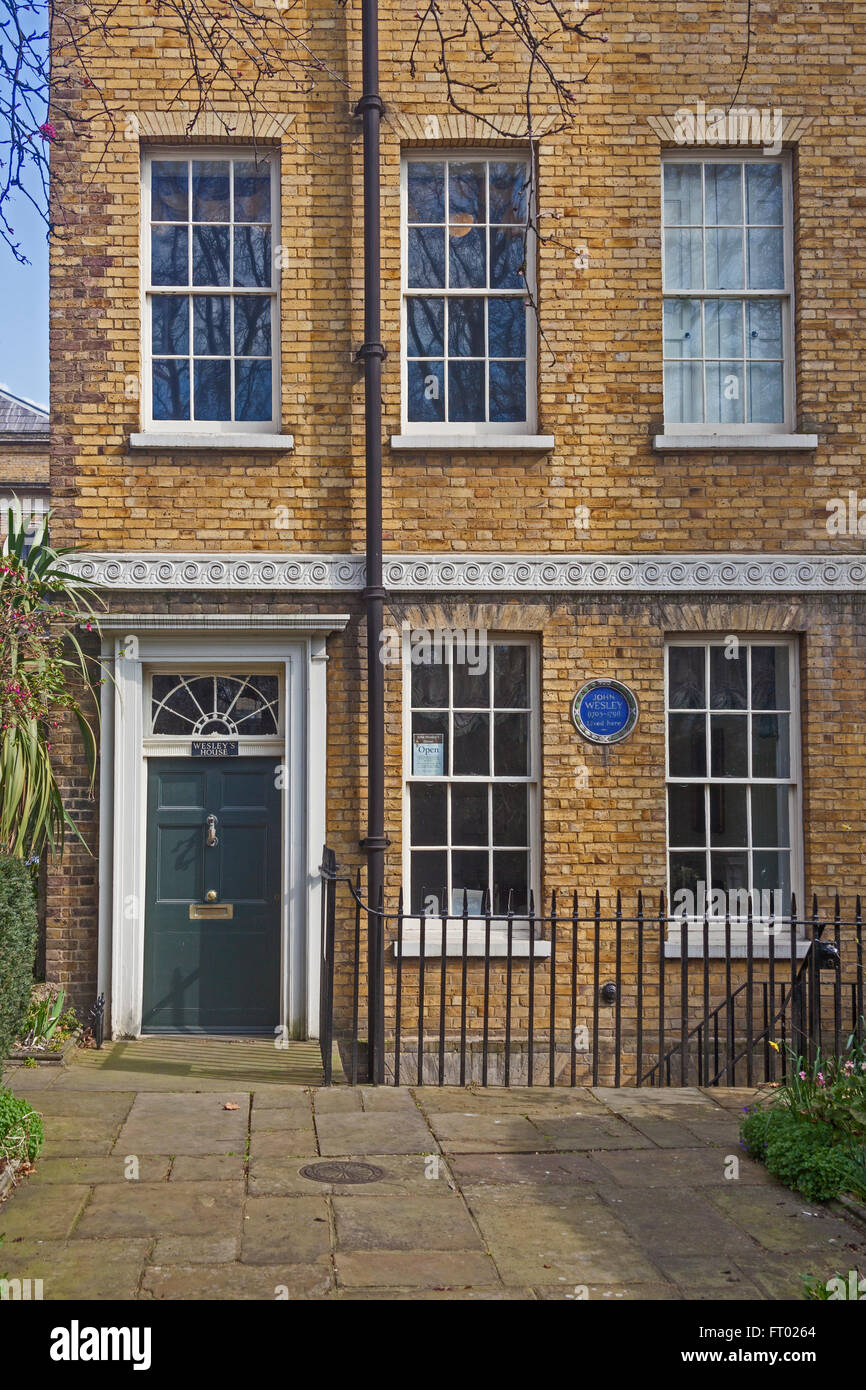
column 152, row 1188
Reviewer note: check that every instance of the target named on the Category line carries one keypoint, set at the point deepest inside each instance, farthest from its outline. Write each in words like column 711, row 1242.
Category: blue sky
column 24, row 309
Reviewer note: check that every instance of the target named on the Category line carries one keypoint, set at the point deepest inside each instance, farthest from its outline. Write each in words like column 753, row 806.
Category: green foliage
column 47, row 1025
column 806, row 1155
column 838, row 1288
column 18, row 928
column 42, row 609
column 21, row 1132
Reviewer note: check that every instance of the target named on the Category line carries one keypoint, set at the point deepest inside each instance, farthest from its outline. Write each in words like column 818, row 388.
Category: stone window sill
column 760, row 944
column 158, row 441
column 724, row 443
column 475, row 942
column 461, row 443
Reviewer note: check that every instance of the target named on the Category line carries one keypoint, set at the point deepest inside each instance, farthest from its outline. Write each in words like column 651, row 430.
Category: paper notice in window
column 428, row 755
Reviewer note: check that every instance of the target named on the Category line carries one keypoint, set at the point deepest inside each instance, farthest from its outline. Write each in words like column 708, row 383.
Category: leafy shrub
column 21, row 1132
column 18, row 929
column 805, row 1155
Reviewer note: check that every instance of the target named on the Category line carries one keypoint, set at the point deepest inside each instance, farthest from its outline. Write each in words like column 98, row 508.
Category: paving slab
column 678, row 1222
column 474, row 1132
column 280, row 1142
column 623, row 1099
column 96, row 1270
column 553, row 1169
column 612, row 1293
column 195, row 1250
column 403, row 1174
column 157, row 1209
column 68, row 1136
column 440, row 1270
column 43, row 1212
column 374, row 1133
column 675, row 1168
column 24, row 1081
column 185, row 1124
column 338, row 1100
column 737, row 1097
column 706, row 1278
column 516, row 1100
column 671, row 1131
column 452, row 1295
column 90, row 1169
column 390, row 1098
column 285, row 1230
column 404, row 1223
column 270, row 1119
column 235, row 1281
column 106, row 1108
column 784, row 1221
column 208, row 1167
column 605, row 1132
column 542, row 1236
column 283, row 1098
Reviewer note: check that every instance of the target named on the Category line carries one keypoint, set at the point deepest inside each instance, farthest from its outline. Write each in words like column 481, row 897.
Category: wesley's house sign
column 604, row 711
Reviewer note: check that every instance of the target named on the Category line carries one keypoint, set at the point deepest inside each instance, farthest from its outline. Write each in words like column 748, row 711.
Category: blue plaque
column 604, row 711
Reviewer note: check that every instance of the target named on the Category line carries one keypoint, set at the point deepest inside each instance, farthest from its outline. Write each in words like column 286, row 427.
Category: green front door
column 212, row 916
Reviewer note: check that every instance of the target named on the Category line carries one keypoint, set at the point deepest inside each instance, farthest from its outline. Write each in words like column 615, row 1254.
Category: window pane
column 467, row 257
column 509, row 188
column 212, row 380
column 728, row 677
column 770, row 678
column 772, row 875
column 511, row 745
column 725, row 392
column 169, row 256
column 469, row 814
column 687, row 678
column 426, row 390
column 688, row 872
column 724, row 327
column 728, row 823
column 425, row 326
column 467, row 204
column 173, row 710
column 466, row 390
column 429, row 814
column 506, row 327
column 682, row 195
column 469, row 869
column 252, row 256
column 170, row 320
column 770, row 818
column 511, row 676
column 766, row 258
column 682, row 328
column 729, row 871
column 429, row 882
column 686, row 816
column 688, row 745
column 171, row 390
column 507, row 259
column 253, row 325
column 252, row 190
column 764, row 193
column 430, row 686
column 507, row 391
column 253, row 389
column 510, row 814
column 169, row 190
column 724, row 258
column 771, row 740
column 471, row 745
column 424, row 725
column 684, row 395
column 210, row 256
column 724, row 194
column 210, row 190
column 728, row 753
column 426, row 257
column 471, row 676
column 510, row 883
column 683, row 260
column 426, row 191
column 766, row 395
column 765, row 328
column 210, row 319
column 466, row 327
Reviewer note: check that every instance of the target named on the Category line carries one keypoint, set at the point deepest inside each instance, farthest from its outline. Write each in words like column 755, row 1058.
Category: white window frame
column 454, row 923
column 445, row 428
column 695, row 923
column 705, row 427
column 188, row 153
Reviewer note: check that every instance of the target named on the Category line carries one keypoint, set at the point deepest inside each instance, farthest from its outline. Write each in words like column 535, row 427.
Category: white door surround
column 294, row 644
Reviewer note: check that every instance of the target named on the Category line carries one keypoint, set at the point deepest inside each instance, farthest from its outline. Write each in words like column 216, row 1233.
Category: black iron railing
column 577, row 997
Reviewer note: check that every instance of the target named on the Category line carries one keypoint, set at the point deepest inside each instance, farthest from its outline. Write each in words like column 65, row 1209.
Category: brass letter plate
column 224, row 911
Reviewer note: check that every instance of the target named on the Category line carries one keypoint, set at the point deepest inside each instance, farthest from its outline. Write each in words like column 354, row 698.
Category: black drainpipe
column 370, row 109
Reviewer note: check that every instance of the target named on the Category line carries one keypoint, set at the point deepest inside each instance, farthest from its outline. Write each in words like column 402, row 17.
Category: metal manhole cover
column 342, row 1171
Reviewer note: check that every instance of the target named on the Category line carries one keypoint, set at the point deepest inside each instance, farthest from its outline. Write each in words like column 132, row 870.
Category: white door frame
column 296, row 643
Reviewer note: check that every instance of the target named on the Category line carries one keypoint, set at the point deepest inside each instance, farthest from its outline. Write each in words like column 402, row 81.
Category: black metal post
column 370, row 109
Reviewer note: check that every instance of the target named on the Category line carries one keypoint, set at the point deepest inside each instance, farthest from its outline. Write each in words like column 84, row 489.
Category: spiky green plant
column 44, row 672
